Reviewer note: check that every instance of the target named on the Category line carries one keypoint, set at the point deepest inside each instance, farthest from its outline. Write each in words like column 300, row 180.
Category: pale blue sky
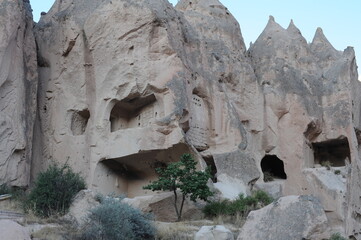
column 340, row 20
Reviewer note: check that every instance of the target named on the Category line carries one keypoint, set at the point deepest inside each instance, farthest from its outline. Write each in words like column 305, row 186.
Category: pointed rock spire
column 272, row 25
column 271, row 19
column 272, row 35
column 321, row 47
column 319, row 36
column 349, row 52
column 292, row 24
column 296, row 34
column 293, row 29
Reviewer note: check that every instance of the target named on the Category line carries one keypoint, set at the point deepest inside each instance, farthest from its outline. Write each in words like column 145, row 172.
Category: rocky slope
column 121, row 93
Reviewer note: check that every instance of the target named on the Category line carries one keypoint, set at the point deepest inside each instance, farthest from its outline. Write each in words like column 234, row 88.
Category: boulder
column 11, row 230
column 217, row 232
column 82, row 203
column 143, row 202
column 291, row 217
column 162, row 206
column 329, row 186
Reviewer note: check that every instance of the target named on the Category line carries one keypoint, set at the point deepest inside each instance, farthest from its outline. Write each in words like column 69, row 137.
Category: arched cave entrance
column 272, row 168
column 333, row 152
column 128, row 174
column 133, row 113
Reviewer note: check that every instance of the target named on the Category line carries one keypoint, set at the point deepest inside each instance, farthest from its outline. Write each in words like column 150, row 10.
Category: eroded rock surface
column 122, row 93
column 18, row 85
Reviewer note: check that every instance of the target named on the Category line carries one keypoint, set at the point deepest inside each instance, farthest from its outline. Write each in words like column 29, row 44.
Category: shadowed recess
column 274, row 166
column 334, row 151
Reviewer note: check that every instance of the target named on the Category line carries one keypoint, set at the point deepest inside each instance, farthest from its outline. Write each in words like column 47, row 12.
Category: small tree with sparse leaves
column 184, row 177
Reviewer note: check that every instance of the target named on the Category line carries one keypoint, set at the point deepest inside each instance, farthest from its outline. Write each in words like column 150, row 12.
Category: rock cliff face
column 127, row 87
column 121, row 95
column 18, row 86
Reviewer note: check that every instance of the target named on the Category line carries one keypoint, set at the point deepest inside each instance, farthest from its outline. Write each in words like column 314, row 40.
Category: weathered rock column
column 18, row 86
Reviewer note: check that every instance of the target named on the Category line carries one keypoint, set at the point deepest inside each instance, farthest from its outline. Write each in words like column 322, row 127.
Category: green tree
column 183, row 176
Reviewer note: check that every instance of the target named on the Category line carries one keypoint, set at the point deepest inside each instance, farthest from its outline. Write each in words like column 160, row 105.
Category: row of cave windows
column 80, row 120
column 333, row 152
column 272, row 167
column 128, row 113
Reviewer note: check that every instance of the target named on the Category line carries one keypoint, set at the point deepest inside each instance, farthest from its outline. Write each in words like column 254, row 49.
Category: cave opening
column 132, row 113
column 128, row 174
column 272, row 168
column 333, row 152
column 79, row 121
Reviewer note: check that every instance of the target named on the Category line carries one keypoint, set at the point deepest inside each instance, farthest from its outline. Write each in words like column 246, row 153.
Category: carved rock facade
column 122, row 93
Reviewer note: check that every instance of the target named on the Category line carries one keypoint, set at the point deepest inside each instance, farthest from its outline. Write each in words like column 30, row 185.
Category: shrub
column 215, row 208
column 262, row 198
column 183, row 175
column 337, row 236
column 113, row 220
column 54, row 190
column 241, row 206
column 337, row 172
column 326, row 164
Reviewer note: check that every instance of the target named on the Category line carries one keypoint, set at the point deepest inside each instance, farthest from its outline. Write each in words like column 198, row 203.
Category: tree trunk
column 175, row 205
column 181, row 208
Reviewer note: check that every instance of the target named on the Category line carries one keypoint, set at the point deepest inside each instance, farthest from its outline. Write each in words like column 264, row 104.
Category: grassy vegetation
column 337, row 236
column 239, row 207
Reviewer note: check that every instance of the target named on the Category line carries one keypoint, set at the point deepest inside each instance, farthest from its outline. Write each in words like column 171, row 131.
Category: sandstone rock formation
column 291, row 217
column 311, row 116
column 122, row 93
column 18, row 87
